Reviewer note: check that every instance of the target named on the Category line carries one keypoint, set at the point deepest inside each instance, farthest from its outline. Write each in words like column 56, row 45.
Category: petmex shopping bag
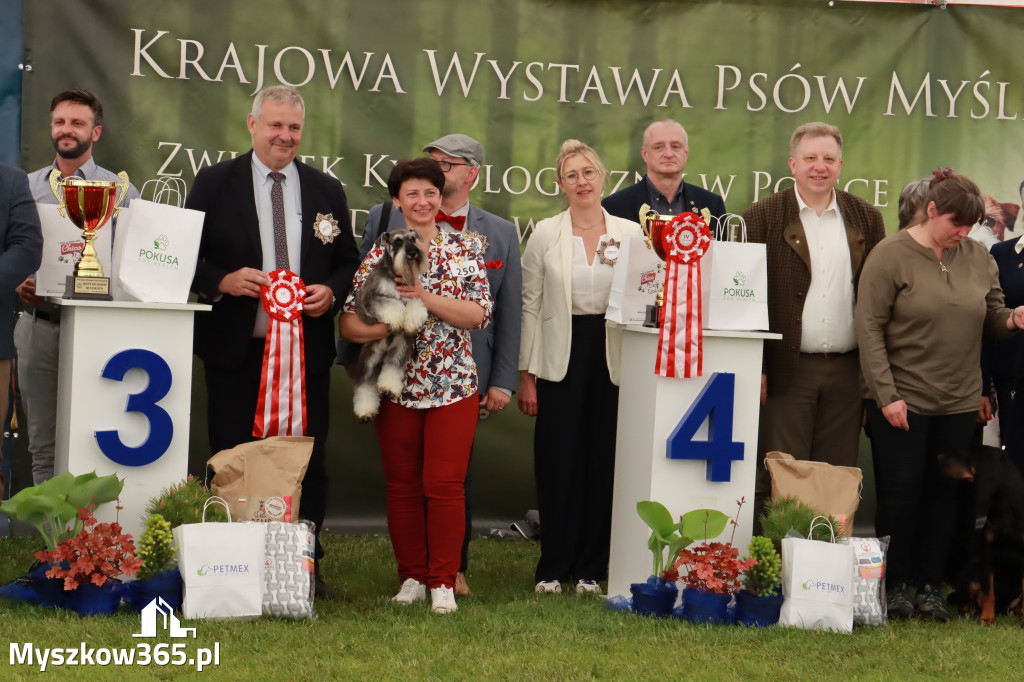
column 221, row 566
column 817, row 583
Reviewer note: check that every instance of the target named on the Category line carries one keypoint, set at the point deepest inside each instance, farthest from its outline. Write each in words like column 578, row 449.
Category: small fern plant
column 764, row 577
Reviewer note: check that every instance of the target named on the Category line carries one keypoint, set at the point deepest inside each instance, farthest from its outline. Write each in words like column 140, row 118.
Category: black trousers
column 574, row 459
column 232, row 395
column 916, row 505
column 1010, row 396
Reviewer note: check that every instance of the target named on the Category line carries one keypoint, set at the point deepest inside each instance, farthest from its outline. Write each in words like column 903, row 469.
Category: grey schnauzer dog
column 382, row 363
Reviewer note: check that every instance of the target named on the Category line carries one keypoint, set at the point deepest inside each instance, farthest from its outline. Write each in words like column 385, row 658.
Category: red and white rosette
column 681, row 341
column 281, row 410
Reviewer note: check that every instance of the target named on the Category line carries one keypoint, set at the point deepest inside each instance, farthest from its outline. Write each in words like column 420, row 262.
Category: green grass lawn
column 506, row 632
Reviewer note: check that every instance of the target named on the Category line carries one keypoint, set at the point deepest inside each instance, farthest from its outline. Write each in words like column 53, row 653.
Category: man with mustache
column 76, row 122
column 267, row 211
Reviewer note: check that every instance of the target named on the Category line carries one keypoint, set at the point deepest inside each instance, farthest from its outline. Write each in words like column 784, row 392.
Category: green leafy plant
column 790, row 514
column 764, row 577
column 52, row 506
column 155, row 548
column 667, row 534
column 183, row 502
column 96, row 554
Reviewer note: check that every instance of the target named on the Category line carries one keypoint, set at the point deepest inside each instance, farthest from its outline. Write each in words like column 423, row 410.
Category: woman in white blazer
column 569, row 370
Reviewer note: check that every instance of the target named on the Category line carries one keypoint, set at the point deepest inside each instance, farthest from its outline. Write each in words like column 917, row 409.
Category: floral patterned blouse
column 442, row 370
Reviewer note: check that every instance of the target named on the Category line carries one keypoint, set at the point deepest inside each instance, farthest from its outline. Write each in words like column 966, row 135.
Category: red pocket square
column 494, row 265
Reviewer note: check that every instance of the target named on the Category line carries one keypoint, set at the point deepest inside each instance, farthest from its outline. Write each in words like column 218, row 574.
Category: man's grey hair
column 668, row 121
column 912, row 203
column 282, row 94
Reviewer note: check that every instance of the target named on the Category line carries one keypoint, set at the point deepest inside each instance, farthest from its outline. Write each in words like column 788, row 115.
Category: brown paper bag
column 832, row 489
column 262, row 480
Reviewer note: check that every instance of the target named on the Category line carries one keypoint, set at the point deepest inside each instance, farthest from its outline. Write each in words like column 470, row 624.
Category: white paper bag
column 221, row 567
column 734, row 286
column 62, row 248
column 156, row 247
column 635, row 281
column 817, row 583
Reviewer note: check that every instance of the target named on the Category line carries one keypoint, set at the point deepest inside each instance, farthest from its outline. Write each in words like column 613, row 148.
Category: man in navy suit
column 21, row 251
column 496, row 347
column 665, row 151
column 240, row 245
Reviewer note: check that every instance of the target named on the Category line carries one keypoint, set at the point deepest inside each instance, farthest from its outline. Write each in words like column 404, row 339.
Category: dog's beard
column 408, row 268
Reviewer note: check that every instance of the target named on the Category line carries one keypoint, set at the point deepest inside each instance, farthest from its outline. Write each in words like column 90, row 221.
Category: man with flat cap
column 496, row 347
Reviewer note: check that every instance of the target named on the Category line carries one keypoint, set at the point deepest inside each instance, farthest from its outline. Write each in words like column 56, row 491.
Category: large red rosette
column 681, row 341
column 281, row 410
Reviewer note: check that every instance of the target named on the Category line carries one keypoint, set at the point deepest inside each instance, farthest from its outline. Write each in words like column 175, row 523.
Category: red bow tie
column 456, row 221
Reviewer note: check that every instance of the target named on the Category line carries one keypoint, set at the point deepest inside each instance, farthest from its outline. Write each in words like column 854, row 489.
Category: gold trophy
column 89, row 204
column 653, row 225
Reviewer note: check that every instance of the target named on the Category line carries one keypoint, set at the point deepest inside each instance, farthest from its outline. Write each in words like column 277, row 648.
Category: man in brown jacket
column 817, row 238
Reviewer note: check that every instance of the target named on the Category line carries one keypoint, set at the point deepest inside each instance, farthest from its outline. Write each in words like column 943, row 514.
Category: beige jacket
column 547, row 298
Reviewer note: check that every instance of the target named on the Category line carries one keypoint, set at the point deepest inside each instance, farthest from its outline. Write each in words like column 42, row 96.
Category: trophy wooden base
column 88, row 288
column 654, row 316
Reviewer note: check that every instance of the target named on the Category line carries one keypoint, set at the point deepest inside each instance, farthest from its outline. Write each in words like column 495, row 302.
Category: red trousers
column 425, row 453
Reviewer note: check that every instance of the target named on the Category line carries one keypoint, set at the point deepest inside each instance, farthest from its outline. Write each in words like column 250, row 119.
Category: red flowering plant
column 100, row 552
column 710, row 566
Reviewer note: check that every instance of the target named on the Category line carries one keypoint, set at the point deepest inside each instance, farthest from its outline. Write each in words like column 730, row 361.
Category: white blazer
column 547, row 298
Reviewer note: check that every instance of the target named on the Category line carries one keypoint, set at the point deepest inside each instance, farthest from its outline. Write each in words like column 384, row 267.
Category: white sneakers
column 412, row 591
column 587, row 587
column 548, row 587
column 442, row 600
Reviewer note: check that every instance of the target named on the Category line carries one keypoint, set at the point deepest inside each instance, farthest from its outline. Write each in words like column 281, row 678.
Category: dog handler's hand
column 985, row 411
column 318, row 299
column 243, row 282
column 896, row 414
column 495, row 400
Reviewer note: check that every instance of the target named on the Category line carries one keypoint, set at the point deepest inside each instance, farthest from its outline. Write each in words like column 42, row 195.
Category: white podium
column 650, row 410
column 124, row 393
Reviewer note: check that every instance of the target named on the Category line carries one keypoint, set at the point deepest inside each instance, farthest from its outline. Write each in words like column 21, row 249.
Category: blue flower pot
column 93, row 600
column 165, row 585
column 706, row 608
column 49, row 592
column 757, row 611
column 654, row 597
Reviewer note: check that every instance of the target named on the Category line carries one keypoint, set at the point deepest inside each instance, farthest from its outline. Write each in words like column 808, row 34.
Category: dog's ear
column 384, row 239
column 419, row 237
column 955, row 466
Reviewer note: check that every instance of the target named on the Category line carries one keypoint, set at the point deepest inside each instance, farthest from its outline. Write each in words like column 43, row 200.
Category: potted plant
column 759, row 601
column 788, row 515
column 158, row 576
column 52, row 508
column 657, row 596
column 712, row 569
column 91, row 562
column 183, row 502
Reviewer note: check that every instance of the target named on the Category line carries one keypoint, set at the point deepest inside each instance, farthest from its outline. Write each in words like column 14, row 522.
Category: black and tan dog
column 382, row 363
column 993, row 579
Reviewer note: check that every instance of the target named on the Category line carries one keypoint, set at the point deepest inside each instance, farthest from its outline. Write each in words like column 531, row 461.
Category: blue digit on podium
column 715, row 404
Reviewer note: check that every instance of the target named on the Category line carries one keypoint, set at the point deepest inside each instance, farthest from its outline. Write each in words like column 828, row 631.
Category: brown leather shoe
column 461, row 588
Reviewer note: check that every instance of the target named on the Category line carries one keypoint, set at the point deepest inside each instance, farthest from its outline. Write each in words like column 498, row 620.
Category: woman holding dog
column 568, row 373
column 926, row 296
column 426, row 432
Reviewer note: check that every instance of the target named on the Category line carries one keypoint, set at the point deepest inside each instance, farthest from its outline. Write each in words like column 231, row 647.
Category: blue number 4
column 161, row 427
column 715, row 404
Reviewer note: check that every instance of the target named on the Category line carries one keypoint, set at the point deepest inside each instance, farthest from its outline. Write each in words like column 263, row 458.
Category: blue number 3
column 714, row 403
column 161, row 427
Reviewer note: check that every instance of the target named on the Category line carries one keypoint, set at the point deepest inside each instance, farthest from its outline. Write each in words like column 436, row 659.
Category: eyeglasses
column 572, row 177
column 447, row 165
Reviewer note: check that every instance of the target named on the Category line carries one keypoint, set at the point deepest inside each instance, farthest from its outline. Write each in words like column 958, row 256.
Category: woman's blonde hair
column 571, row 148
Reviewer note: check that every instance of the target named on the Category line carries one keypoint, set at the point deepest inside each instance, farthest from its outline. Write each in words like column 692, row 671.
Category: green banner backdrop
column 912, row 87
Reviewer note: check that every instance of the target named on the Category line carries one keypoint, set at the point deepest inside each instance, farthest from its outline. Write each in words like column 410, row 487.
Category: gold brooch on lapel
column 326, row 228
column 608, row 251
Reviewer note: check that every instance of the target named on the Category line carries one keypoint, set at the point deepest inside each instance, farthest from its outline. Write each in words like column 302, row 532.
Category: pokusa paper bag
column 262, row 480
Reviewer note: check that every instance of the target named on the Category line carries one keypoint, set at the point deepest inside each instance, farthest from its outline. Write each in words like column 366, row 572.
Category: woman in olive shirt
column 926, row 296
